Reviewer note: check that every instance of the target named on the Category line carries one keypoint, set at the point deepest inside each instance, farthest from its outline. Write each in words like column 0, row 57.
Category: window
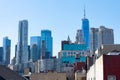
column 111, row 77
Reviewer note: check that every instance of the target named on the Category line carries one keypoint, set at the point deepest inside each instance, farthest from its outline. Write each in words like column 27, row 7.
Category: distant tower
column 79, row 37
column 106, row 36
column 6, row 50
column 47, row 40
column 94, row 39
column 85, row 30
column 35, row 48
column 22, row 45
column 100, row 36
column 1, row 55
column 34, row 53
column 43, row 50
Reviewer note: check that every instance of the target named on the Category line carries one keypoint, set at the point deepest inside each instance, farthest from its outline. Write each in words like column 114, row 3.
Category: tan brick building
column 48, row 76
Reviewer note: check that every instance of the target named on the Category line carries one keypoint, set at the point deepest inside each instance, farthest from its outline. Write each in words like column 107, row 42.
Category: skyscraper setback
column 22, row 45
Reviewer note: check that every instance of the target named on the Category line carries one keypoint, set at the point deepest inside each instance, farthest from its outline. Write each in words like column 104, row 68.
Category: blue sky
column 62, row 17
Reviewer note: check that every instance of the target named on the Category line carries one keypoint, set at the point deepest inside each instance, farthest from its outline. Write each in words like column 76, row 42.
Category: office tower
column 1, row 54
column 34, row 52
column 106, row 36
column 85, row 31
column 22, row 45
column 15, row 52
column 29, row 54
column 6, row 50
column 68, row 41
column 100, row 36
column 94, row 37
column 63, row 43
column 35, row 48
column 79, row 37
column 43, row 50
column 46, row 39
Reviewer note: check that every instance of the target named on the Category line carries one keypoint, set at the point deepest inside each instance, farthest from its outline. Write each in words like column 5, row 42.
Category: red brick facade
column 79, row 66
column 111, row 66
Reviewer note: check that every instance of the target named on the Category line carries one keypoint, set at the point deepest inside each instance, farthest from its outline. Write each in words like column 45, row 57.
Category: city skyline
column 63, row 18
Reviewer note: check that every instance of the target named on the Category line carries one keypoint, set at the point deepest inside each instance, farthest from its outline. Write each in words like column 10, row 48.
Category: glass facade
column 6, row 50
column 48, row 41
column 34, row 52
column 22, row 45
column 85, row 32
column 35, row 46
column 1, row 54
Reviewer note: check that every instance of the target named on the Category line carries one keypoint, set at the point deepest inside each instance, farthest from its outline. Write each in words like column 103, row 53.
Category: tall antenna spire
column 84, row 12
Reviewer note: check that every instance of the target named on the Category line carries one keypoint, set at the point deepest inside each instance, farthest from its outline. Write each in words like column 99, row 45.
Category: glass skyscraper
column 22, row 45
column 1, row 54
column 35, row 48
column 6, row 50
column 85, row 31
column 47, row 43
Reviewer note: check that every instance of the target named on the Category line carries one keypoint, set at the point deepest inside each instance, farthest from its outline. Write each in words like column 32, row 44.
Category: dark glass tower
column 6, row 50
column 85, row 31
column 35, row 48
column 46, row 41
column 1, row 54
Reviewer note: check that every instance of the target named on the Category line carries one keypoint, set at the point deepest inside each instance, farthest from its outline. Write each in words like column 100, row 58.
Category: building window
column 111, row 77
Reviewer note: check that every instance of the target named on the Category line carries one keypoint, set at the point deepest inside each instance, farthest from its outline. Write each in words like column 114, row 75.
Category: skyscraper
column 22, row 45
column 34, row 52
column 100, row 36
column 29, row 53
column 94, row 39
column 79, row 37
column 6, row 50
column 35, row 48
column 46, row 39
column 106, row 36
column 85, row 31
column 1, row 54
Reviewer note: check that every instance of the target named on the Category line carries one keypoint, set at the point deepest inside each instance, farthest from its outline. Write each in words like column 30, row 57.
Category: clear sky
column 62, row 17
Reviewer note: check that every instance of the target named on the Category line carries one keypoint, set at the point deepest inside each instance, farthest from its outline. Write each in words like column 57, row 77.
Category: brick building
column 106, row 67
